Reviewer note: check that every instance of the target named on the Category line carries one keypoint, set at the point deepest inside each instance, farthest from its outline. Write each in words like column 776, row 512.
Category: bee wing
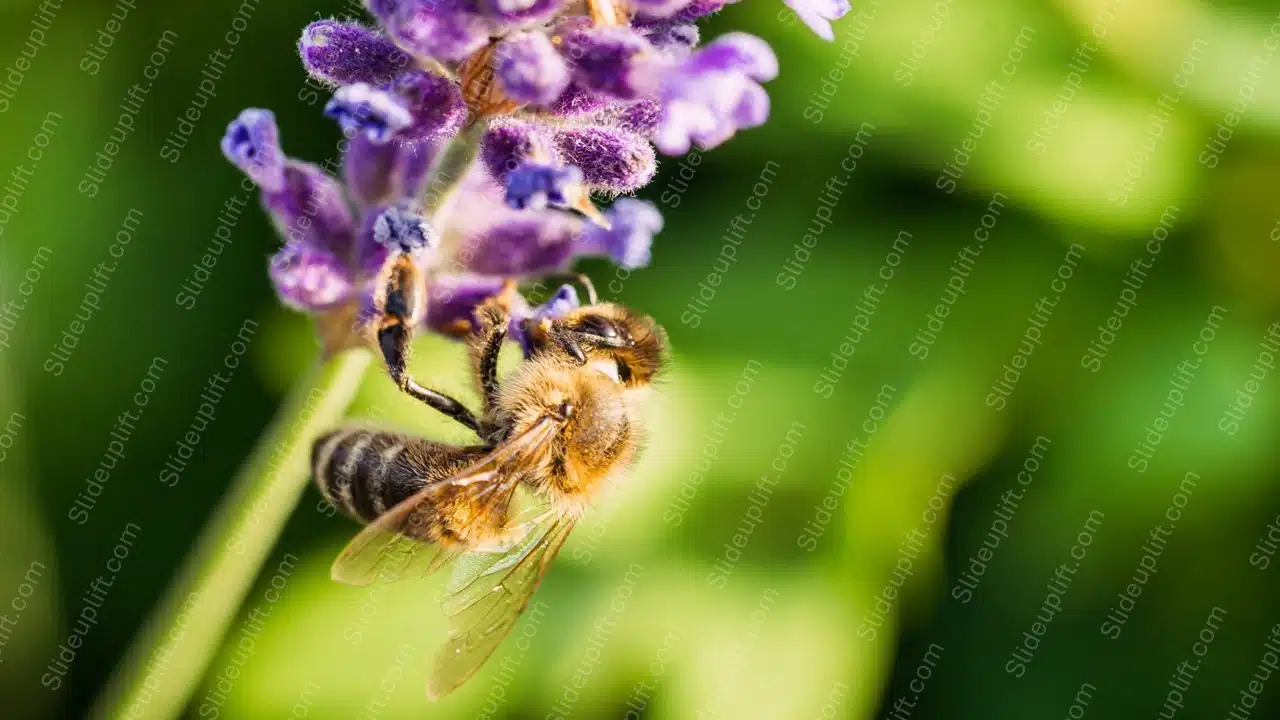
column 388, row 549
column 486, row 597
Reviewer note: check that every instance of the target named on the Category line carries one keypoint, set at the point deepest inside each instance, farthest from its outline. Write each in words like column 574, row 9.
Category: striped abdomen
column 367, row 472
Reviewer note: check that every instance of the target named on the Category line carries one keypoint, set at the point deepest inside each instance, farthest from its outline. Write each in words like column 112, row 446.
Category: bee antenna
column 584, row 281
column 592, row 298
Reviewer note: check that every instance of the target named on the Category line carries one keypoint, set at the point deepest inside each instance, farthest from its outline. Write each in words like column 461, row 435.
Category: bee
column 559, row 426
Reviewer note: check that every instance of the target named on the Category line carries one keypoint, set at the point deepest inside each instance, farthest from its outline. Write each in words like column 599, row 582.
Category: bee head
column 605, row 330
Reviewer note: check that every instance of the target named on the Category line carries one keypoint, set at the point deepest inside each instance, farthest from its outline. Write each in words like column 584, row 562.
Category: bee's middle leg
column 401, row 304
column 486, row 346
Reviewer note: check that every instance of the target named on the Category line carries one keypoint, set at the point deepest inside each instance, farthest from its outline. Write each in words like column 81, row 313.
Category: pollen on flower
column 399, row 228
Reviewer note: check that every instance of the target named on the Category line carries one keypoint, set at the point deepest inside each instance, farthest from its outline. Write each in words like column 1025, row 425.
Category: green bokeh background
column 780, row 638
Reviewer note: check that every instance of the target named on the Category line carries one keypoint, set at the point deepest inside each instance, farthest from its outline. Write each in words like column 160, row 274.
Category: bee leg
column 486, row 347
column 393, row 340
column 569, row 343
column 401, row 300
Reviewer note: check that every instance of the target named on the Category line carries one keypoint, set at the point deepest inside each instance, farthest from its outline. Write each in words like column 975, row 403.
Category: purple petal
column 529, row 244
column 363, row 109
column 507, row 144
column 818, row 14
column 452, row 301
column 309, row 210
column 252, row 143
column 639, row 117
column 691, row 12
column 537, row 185
column 674, row 41
column 682, row 121
column 402, row 228
column 530, row 69
column 738, row 52
column 659, row 8
column 715, row 93
column 344, row 53
column 435, row 103
column 632, row 225
column 610, row 159
column 308, row 278
column 753, row 107
column 577, row 100
column 504, row 14
column 446, row 30
column 608, row 60
column 381, row 174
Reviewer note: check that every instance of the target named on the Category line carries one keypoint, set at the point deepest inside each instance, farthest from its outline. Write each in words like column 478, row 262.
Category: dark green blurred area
column 785, row 633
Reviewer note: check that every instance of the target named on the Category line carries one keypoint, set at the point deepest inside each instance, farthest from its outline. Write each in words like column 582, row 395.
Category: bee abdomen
column 367, row 472
column 356, row 470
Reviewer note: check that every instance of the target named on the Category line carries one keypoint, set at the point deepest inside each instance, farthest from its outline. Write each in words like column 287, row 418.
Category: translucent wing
column 394, row 546
column 488, row 593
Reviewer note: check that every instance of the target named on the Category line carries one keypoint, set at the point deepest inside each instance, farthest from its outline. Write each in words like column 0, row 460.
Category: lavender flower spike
column 252, row 143
column 818, row 14
column 365, row 109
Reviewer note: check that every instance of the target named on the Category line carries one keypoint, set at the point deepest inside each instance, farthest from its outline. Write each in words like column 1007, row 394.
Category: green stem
column 165, row 665
column 447, row 172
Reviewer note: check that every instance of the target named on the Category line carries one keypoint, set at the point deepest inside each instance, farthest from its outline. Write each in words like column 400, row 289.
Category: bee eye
column 597, row 326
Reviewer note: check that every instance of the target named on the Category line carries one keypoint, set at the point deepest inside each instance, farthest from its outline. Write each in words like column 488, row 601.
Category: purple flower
column 344, row 53
column 632, row 225
column 659, row 8
column 609, row 61
column 610, row 159
column 445, row 30
column 252, row 143
column 435, row 103
column 530, row 69
column 673, row 41
column 309, row 279
column 690, row 12
column 531, row 243
column 818, row 14
column 508, row 143
column 361, row 108
column 537, row 186
column 378, row 174
column 452, row 301
column 715, row 93
column 400, row 228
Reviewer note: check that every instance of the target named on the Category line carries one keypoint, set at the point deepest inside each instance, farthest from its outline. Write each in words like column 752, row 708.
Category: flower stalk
column 447, row 171
column 164, row 667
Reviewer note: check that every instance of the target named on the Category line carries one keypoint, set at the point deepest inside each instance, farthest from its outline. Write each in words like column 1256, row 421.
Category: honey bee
column 560, row 425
